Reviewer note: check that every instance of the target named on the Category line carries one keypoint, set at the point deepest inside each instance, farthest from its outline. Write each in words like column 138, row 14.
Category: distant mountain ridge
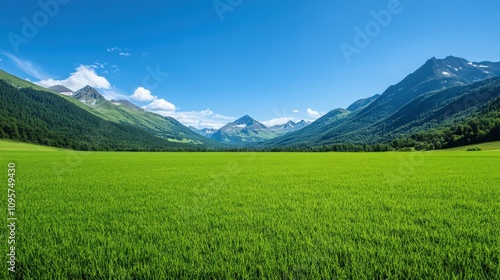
column 127, row 103
column 62, row 90
column 360, row 104
column 290, row 126
column 124, row 113
column 359, row 126
column 441, row 92
column 248, row 131
column 206, row 132
column 39, row 116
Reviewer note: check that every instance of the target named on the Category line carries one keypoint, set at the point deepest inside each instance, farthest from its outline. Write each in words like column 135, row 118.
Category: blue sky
column 209, row 62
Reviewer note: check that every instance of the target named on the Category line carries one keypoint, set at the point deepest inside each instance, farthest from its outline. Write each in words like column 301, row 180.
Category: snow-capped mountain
column 290, row 126
column 246, row 131
column 207, row 132
column 464, row 70
column 373, row 118
column 88, row 95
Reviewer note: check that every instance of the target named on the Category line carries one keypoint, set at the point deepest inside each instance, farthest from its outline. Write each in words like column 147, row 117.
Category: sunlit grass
column 257, row 215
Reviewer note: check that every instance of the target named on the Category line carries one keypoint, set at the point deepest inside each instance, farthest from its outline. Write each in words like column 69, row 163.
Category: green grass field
column 89, row 215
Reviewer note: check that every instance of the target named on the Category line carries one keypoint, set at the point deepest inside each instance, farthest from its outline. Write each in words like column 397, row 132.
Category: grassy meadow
column 102, row 215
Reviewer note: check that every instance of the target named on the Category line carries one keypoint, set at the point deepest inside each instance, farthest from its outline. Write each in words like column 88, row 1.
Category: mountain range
column 166, row 133
column 206, row 132
column 247, row 131
column 394, row 112
column 441, row 93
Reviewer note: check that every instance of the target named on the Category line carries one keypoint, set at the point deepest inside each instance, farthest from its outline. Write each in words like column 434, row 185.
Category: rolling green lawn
column 254, row 215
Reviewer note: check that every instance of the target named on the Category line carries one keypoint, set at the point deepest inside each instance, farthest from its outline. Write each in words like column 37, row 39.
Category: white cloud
column 114, row 94
column 84, row 75
column 143, row 95
column 160, row 106
column 113, row 49
column 197, row 119
column 124, row 54
column 312, row 113
column 201, row 119
column 26, row 66
column 295, row 111
column 279, row 121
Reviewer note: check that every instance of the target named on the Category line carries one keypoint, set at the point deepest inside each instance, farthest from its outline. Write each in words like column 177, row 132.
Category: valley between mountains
column 444, row 103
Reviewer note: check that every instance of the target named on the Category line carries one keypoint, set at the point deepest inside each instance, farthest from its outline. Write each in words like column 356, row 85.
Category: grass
column 265, row 215
column 7, row 145
column 490, row 146
column 17, row 82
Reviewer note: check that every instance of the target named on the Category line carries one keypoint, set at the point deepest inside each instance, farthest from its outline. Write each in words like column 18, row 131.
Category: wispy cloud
column 26, row 66
column 200, row 119
column 121, row 52
column 97, row 65
column 197, row 119
column 114, row 94
column 279, row 121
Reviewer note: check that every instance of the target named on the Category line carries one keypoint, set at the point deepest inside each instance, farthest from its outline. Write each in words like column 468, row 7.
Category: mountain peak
column 448, row 61
column 246, row 119
column 61, row 89
column 88, row 95
column 451, row 57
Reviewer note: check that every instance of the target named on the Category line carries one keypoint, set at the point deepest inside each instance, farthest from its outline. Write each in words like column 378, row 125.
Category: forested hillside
column 40, row 117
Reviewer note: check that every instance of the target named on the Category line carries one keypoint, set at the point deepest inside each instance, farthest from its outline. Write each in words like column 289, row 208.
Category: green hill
column 489, row 146
column 121, row 113
column 42, row 117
